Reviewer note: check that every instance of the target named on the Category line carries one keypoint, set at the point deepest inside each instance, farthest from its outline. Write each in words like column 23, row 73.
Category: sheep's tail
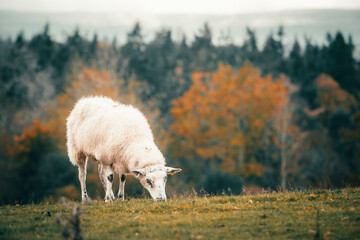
column 71, row 149
column 73, row 155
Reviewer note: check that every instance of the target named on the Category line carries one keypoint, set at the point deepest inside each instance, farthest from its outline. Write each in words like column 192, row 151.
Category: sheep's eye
column 149, row 182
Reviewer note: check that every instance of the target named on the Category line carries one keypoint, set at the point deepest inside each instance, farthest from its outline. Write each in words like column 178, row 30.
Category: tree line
column 231, row 115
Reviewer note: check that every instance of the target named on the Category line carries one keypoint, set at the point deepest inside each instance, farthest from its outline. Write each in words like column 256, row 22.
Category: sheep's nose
column 160, row 199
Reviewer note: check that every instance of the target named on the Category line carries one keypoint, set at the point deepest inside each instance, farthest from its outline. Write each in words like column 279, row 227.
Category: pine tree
column 44, row 47
column 295, row 64
column 340, row 63
column 203, row 51
column 249, row 49
column 272, row 56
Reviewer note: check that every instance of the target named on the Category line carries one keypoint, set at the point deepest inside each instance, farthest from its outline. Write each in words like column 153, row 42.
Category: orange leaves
column 29, row 133
column 222, row 112
column 205, row 153
column 237, row 139
column 331, row 96
column 91, row 82
column 253, row 168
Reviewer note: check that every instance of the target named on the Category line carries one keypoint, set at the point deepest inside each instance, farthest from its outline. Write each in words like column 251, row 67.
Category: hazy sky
column 177, row 6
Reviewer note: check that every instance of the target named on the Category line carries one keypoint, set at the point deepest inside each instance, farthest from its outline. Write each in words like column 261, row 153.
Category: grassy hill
column 311, row 214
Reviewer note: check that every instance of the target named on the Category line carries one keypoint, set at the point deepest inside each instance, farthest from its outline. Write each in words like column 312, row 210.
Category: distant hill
column 312, row 23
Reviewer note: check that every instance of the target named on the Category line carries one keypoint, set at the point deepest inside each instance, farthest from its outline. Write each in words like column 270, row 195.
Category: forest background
column 230, row 115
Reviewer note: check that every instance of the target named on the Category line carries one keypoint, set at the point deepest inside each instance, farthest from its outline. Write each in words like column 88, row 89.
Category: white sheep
column 119, row 138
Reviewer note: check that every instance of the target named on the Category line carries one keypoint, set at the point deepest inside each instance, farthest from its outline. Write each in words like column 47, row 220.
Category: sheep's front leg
column 82, row 178
column 106, row 174
column 121, row 193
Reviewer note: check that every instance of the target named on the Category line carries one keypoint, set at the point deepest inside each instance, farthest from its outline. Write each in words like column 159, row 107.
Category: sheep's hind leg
column 121, row 193
column 82, row 165
column 107, row 177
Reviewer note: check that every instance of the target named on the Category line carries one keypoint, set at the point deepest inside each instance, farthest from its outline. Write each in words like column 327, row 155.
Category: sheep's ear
column 138, row 173
column 172, row 171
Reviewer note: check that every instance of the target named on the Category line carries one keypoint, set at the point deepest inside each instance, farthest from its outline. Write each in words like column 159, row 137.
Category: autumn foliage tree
column 331, row 96
column 340, row 110
column 226, row 119
column 35, row 169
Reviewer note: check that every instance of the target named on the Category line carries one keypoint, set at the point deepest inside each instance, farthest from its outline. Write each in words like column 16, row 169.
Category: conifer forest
column 230, row 115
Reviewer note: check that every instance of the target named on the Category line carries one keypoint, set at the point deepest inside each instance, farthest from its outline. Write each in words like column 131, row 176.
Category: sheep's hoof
column 86, row 200
column 109, row 199
column 121, row 198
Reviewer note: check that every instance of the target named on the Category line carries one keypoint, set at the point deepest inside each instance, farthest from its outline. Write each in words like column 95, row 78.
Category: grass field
column 290, row 215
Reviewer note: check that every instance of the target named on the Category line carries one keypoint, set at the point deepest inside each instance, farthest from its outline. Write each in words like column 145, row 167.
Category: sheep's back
column 99, row 126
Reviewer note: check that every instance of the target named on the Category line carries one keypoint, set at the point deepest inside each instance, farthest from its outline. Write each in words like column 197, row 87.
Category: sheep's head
column 154, row 178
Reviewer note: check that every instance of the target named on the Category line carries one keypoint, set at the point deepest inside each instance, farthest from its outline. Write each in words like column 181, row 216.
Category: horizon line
column 179, row 13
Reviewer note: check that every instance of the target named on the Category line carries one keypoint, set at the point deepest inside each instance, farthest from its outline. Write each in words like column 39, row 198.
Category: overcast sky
column 177, row 6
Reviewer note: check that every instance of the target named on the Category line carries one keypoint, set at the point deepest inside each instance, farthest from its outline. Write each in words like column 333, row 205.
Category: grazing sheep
column 119, row 138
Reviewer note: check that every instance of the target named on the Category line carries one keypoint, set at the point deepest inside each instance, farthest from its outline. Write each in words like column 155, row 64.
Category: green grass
column 266, row 216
